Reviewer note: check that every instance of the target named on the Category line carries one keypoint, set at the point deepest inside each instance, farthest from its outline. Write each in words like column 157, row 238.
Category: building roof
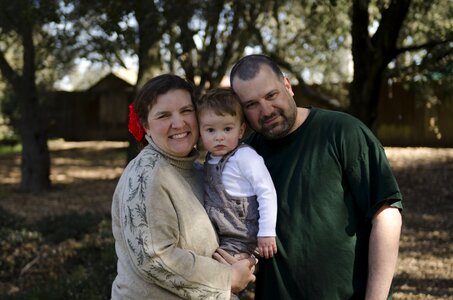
column 110, row 82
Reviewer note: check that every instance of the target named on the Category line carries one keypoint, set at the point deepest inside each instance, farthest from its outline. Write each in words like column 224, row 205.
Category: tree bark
column 149, row 34
column 35, row 152
column 35, row 165
column 371, row 55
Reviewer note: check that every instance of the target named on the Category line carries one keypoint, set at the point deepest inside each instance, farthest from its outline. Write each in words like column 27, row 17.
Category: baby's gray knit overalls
column 235, row 218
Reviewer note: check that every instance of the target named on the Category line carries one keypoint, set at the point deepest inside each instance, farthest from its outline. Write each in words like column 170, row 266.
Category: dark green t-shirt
column 331, row 176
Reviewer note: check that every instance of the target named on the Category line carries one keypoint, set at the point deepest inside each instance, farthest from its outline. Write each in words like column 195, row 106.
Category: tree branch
column 427, row 45
column 384, row 40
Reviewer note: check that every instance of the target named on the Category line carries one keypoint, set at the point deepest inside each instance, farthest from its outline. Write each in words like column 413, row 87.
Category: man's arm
column 383, row 251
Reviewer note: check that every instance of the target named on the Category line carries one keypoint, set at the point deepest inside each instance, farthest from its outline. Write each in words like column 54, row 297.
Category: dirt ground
column 84, row 175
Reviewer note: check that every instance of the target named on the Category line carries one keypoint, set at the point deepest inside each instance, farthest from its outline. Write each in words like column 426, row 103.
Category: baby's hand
column 267, row 246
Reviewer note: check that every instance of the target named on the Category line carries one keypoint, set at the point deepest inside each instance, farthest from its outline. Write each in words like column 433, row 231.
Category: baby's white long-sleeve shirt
column 245, row 174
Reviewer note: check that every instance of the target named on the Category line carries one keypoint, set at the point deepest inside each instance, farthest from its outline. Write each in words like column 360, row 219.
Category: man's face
column 268, row 103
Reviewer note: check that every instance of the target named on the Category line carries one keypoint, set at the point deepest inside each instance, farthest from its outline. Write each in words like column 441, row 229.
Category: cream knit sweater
column 164, row 239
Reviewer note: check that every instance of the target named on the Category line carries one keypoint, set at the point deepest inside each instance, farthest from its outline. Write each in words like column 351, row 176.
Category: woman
column 164, row 239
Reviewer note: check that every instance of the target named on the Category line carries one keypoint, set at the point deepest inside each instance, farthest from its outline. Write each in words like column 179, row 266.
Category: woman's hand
column 242, row 270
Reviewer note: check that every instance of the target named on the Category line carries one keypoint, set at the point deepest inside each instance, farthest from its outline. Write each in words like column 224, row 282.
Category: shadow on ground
column 58, row 245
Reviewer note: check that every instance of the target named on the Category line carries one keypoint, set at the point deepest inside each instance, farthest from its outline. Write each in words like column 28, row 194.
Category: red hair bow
column 134, row 126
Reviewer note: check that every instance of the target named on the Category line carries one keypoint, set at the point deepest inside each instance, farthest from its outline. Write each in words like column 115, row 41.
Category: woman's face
column 172, row 123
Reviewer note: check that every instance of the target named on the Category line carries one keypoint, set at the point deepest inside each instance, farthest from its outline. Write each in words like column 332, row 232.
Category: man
column 339, row 220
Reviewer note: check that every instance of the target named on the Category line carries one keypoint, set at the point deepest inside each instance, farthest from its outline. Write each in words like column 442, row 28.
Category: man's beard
column 280, row 129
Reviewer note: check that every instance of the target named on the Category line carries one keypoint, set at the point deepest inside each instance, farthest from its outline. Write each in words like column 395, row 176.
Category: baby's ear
column 242, row 130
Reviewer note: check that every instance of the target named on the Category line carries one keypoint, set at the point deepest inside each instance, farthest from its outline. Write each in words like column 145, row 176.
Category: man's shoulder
column 335, row 115
column 336, row 120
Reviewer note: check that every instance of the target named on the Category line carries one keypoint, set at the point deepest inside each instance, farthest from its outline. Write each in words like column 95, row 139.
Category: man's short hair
column 248, row 67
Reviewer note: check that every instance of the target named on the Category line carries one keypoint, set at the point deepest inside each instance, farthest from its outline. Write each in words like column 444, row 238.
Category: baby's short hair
column 221, row 101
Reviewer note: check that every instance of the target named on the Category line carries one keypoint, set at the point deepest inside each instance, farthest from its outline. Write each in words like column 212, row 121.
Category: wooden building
column 98, row 113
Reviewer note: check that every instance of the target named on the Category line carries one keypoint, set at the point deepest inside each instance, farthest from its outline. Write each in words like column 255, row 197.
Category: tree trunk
column 364, row 93
column 149, row 35
column 371, row 55
column 35, row 153
column 150, row 30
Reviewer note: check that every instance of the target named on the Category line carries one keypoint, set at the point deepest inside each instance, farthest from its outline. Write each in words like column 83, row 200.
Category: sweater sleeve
column 151, row 230
column 253, row 168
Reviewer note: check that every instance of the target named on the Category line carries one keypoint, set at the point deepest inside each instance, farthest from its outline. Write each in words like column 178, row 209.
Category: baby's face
column 220, row 134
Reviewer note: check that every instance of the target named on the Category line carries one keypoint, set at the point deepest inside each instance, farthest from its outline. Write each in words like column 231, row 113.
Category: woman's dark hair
column 248, row 67
column 159, row 85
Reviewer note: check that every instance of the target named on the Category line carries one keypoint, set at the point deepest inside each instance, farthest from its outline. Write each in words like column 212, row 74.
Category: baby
column 240, row 197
